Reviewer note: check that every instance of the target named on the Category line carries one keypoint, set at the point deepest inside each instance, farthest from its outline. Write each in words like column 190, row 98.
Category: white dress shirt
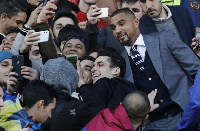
column 141, row 48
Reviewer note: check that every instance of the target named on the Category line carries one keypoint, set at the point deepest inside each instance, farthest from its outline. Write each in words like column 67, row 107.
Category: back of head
column 73, row 32
column 69, row 5
column 61, row 74
column 35, row 91
column 11, row 8
column 126, row 11
column 116, row 59
column 137, row 105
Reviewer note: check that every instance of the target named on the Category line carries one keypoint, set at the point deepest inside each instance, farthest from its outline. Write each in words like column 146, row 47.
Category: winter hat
column 73, row 32
column 61, row 74
column 5, row 55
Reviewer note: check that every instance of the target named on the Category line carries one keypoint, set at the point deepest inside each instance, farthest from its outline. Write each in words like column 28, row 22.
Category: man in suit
column 162, row 62
column 159, row 17
column 105, row 35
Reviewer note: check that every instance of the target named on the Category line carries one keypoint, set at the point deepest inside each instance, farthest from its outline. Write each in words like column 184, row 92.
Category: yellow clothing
column 10, row 107
column 171, row 2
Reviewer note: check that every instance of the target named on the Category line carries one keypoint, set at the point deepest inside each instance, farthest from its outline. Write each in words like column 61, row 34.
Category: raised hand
column 152, row 96
column 93, row 13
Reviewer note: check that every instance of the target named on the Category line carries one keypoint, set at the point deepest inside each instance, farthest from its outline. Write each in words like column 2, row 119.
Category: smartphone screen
column 44, row 36
column 72, row 58
column 104, row 13
column 197, row 36
column 17, row 63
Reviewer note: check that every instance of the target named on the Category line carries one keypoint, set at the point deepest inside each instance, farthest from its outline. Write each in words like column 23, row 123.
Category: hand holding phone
column 17, row 63
column 197, row 36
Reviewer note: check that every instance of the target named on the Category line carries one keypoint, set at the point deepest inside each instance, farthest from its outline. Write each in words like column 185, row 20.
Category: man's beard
column 155, row 15
column 126, row 43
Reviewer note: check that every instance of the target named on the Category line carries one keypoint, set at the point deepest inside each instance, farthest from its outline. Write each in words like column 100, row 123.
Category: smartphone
column 72, row 58
column 44, row 36
column 104, row 13
column 197, row 36
column 28, row 125
column 17, row 63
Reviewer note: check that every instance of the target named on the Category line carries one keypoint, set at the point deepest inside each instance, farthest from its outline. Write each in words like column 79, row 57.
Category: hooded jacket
column 110, row 120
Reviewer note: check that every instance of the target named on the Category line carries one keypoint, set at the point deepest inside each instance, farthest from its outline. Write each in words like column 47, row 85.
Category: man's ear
column 4, row 17
column 40, row 104
column 116, row 71
column 136, row 21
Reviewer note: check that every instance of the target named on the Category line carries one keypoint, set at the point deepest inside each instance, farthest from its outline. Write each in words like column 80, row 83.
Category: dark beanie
column 73, row 32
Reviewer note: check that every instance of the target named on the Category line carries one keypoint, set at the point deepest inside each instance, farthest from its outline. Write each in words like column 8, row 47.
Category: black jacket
column 108, row 93
column 70, row 114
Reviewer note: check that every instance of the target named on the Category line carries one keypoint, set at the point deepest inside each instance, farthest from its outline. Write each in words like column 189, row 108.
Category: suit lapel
column 153, row 48
column 150, row 24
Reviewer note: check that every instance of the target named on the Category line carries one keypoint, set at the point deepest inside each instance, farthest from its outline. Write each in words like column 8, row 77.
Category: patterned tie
column 135, row 55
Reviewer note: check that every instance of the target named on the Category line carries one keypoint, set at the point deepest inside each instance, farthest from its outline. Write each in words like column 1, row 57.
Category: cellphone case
column 17, row 62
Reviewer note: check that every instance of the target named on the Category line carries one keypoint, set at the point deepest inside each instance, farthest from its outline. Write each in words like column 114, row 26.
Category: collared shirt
column 169, row 14
column 141, row 48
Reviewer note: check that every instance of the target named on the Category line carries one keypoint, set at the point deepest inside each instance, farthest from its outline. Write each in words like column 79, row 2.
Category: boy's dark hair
column 63, row 4
column 15, row 30
column 64, row 13
column 137, row 105
column 35, row 91
column 126, row 11
column 116, row 60
column 11, row 8
column 88, row 58
column 73, row 31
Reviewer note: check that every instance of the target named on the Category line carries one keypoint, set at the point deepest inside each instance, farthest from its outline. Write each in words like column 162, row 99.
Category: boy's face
column 73, row 46
column 5, row 69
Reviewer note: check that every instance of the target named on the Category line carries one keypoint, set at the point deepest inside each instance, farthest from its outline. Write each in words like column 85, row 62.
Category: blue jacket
column 20, row 119
column 8, row 96
column 191, row 116
column 193, row 7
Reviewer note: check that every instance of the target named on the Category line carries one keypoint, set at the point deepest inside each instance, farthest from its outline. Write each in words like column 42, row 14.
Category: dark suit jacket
column 174, row 62
column 182, row 20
